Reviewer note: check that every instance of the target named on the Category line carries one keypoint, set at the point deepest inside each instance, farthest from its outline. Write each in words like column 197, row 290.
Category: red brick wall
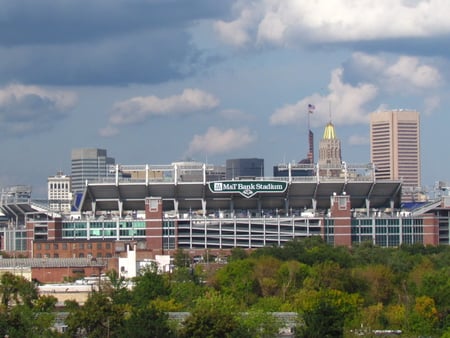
column 57, row 275
column 74, row 249
column 430, row 230
column 341, row 213
column 154, row 232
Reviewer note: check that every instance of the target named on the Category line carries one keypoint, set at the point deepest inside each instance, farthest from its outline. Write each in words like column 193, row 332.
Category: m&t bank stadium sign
column 248, row 188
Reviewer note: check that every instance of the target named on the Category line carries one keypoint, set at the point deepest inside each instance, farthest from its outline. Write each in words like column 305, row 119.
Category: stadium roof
column 299, row 194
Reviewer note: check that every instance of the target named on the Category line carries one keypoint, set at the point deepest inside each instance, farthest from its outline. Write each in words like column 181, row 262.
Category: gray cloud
column 29, row 109
column 101, row 42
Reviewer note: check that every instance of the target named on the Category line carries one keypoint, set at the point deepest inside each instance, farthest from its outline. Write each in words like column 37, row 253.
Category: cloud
column 283, row 22
column 401, row 74
column 345, row 103
column 216, row 141
column 102, row 42
column 31, row 109
column 408, row 69
column 140, row 109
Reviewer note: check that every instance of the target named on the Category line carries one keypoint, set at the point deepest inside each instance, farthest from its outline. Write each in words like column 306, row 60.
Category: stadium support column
column 341, row 215
column 314, row 204
column 94, row 207
column 204, row 207
column 120, row 207
column 367, row 207
column 154, row 225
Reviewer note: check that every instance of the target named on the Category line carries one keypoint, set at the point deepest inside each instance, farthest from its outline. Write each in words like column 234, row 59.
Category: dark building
column 244, row 167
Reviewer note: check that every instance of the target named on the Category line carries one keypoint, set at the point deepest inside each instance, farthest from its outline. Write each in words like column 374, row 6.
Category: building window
column 38, row 246
column 47, row 246
column 89, row 245
column 64, row 246
column 99, row 245
column 55, row 246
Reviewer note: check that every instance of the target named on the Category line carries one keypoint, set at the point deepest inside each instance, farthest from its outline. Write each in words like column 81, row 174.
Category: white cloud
column 344, row 102
column 216, row 141
column 139, row 109
column 236, row 32
column 281, row 21
column 408, row 69
column 27, row 109
column 402, row 74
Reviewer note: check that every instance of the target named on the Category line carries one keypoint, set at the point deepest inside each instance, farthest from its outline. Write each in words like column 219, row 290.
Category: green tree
column 265, row 272
column 325, row 313
column 115, row 287
column 214, row 316
column 146, row 322
column 181, row 259
column 98, row 317
column 149, row 285
column 259, row 324
column 237, row 280
column 22, row 312
column 290, row 276
column 16, row 289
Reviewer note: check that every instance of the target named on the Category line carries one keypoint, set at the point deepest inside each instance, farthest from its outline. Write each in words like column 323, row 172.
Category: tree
column 16, row 289
column 98, row 317
column 146, row 322
column 259, row 324
column 290, row 277
column 22, row 312
column 325, row 313
column 265, row 271
column 181, row 259
column 237, row 280
column 149, row 285
column 214, row 316
column 115, row 287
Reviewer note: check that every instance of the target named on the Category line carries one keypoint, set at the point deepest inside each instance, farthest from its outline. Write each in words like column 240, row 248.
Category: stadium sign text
column 248, row 188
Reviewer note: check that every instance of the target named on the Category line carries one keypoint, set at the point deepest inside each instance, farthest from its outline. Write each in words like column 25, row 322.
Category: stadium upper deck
column 188, row 187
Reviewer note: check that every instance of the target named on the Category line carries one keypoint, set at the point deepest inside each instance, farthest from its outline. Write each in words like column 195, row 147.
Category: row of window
column 80, row 255
column 65, row 246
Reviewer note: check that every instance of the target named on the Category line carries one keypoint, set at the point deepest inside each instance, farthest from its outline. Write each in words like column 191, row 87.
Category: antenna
column 329, row 108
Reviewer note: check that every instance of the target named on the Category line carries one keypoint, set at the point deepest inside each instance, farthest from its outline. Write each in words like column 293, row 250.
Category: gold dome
column 329, row 133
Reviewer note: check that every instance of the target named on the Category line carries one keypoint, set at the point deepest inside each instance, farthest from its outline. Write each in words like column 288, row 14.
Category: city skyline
column 214, row 81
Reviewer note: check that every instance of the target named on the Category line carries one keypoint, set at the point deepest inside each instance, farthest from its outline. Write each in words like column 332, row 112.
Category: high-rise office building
column 89, row 164
column 395, row 148
column 60, row 192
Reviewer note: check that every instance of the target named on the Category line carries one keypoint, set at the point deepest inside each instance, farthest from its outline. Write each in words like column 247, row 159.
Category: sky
column 161, row 81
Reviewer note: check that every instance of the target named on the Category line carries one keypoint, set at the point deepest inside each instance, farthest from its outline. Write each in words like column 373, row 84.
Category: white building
column 60, row 193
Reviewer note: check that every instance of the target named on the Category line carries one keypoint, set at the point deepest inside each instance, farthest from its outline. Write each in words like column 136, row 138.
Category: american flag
column 311, row 107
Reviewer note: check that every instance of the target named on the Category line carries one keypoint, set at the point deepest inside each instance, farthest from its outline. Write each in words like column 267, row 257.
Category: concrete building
column 89, row 164
column 59, row 188
column 330, row 158
column 395, row 148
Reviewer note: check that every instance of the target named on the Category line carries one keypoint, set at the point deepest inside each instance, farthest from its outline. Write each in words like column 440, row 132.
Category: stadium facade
column 160, row 209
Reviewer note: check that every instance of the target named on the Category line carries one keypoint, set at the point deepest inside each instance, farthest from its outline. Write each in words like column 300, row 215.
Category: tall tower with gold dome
column 330, row 158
